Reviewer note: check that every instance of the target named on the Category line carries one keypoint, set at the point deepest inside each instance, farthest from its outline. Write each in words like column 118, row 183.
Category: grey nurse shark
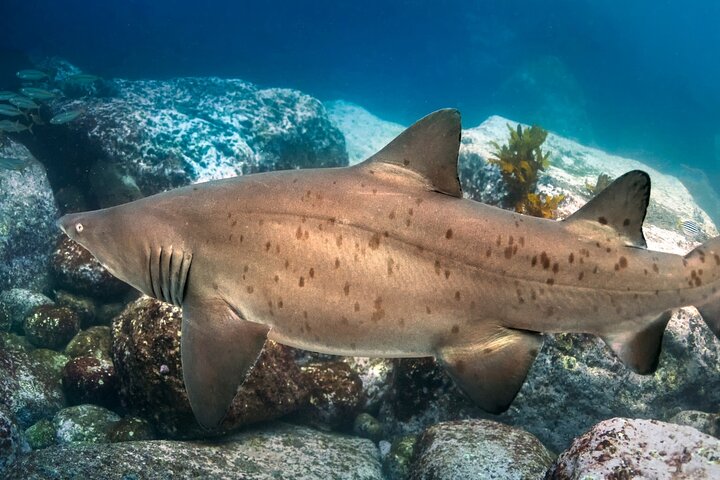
column 386, row 258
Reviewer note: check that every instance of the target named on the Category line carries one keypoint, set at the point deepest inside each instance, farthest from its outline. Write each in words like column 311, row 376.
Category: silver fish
column 65, row 117
column 37, row 93
column 10, row 111
column 24, row 103
column 6, row 95
column 31, row 75
column 13, row 127
column 386, row 258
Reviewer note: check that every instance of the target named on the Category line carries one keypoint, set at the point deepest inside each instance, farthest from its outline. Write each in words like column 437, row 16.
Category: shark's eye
column 79, row 227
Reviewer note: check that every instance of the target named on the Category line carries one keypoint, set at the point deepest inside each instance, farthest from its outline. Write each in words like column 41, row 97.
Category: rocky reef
column 91, row 382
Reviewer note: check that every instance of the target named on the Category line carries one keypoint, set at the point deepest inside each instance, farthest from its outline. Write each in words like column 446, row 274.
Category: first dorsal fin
column 429, row 147
column 621, row 206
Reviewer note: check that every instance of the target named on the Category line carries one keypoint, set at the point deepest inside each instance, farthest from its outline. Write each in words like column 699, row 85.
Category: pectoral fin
column 492, row 372
column 218, row 349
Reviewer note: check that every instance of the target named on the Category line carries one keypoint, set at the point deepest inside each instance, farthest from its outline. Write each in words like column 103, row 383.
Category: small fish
column 13, row 127
column 65, row 117
column 37, row 119
column 7, row 95
column 31, row 75
column 690, row 228
column 37, row 93
column 83, row 78
column 12, row 163
column 9, row 111
column 24, row 103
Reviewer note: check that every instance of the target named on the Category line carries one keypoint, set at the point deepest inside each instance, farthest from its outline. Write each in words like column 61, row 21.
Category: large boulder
column 279, row 451
column 27, row 221
column 479, row 449
column 12, row 440
column 145, row 136
column 631, row 448
column 29, row 387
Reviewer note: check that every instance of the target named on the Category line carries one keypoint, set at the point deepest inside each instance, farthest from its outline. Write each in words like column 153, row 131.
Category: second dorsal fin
column 429, row 147
column 622, row 206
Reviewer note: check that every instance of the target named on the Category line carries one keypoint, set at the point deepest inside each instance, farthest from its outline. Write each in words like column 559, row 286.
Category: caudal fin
column 707, row 256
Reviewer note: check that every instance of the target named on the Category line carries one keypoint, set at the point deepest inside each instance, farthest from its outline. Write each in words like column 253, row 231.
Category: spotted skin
column 382, row 259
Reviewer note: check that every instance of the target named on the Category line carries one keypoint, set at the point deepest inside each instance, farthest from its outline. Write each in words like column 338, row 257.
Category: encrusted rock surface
column 48, row 326
column 280, row 451
column 95, row 341
column 29, row 389
column 84, row 423
column 146, row 352
column 708, row 423
column 77, row 270
column 90, row 380
column 27, row 221
column 151, row 135
column 631, row 448
column 12, row 440
column 16, row 304
column 479, row 449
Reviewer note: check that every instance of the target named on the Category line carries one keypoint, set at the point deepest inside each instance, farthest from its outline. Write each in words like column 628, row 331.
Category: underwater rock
column 27, row 221
column 12, row 440
column 146, row 353
column 278, row 451
column 51, row 360
column 397, row 461
column 365, row 134
column 84, row 306
column 90, row 380
column 41, row 435
column 84, row 423
column 159, row 134
column 633, row 448
column 16, row 304
column 30, row 390
column 95, row 342
column 78, row 271
column 48, row 326
column 479, row 449
column 367, row 426
column 708, row 423
column 375, row 375
column 336, row 395
column 131, row 429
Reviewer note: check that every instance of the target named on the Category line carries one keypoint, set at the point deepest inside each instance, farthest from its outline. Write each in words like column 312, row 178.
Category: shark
column 387, row 259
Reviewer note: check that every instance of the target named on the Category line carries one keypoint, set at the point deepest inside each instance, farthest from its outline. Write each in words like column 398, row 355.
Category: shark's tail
column 707, row 255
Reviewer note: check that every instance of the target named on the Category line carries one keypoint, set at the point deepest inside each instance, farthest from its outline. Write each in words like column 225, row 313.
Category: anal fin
column 640, row 349
column 492, row 372
column 218, row 349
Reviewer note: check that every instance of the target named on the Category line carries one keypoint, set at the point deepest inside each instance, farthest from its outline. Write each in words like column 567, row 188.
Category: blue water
column 632, row 77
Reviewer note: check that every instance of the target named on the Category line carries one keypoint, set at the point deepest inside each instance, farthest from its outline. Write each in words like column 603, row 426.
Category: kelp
column 520, row 161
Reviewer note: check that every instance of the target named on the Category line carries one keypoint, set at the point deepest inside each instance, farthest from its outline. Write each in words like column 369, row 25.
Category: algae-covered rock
column 76, row 270
column 154, row 135
column 52, row 327
column 398, row 460
column 51, row 360
column 146, row 353
column 90, row 380
column 336, row 395
column 84, row 423
column 41, row 435
column 479, row 449
column 12, row 440
column 95, row 341
column 83, row 306
column 27, row 221
column 633, row 448
column 278, row 451
column 367, row 426
column 28, row 388
column 708, row 423
column 131, row 429
column 16, row 304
